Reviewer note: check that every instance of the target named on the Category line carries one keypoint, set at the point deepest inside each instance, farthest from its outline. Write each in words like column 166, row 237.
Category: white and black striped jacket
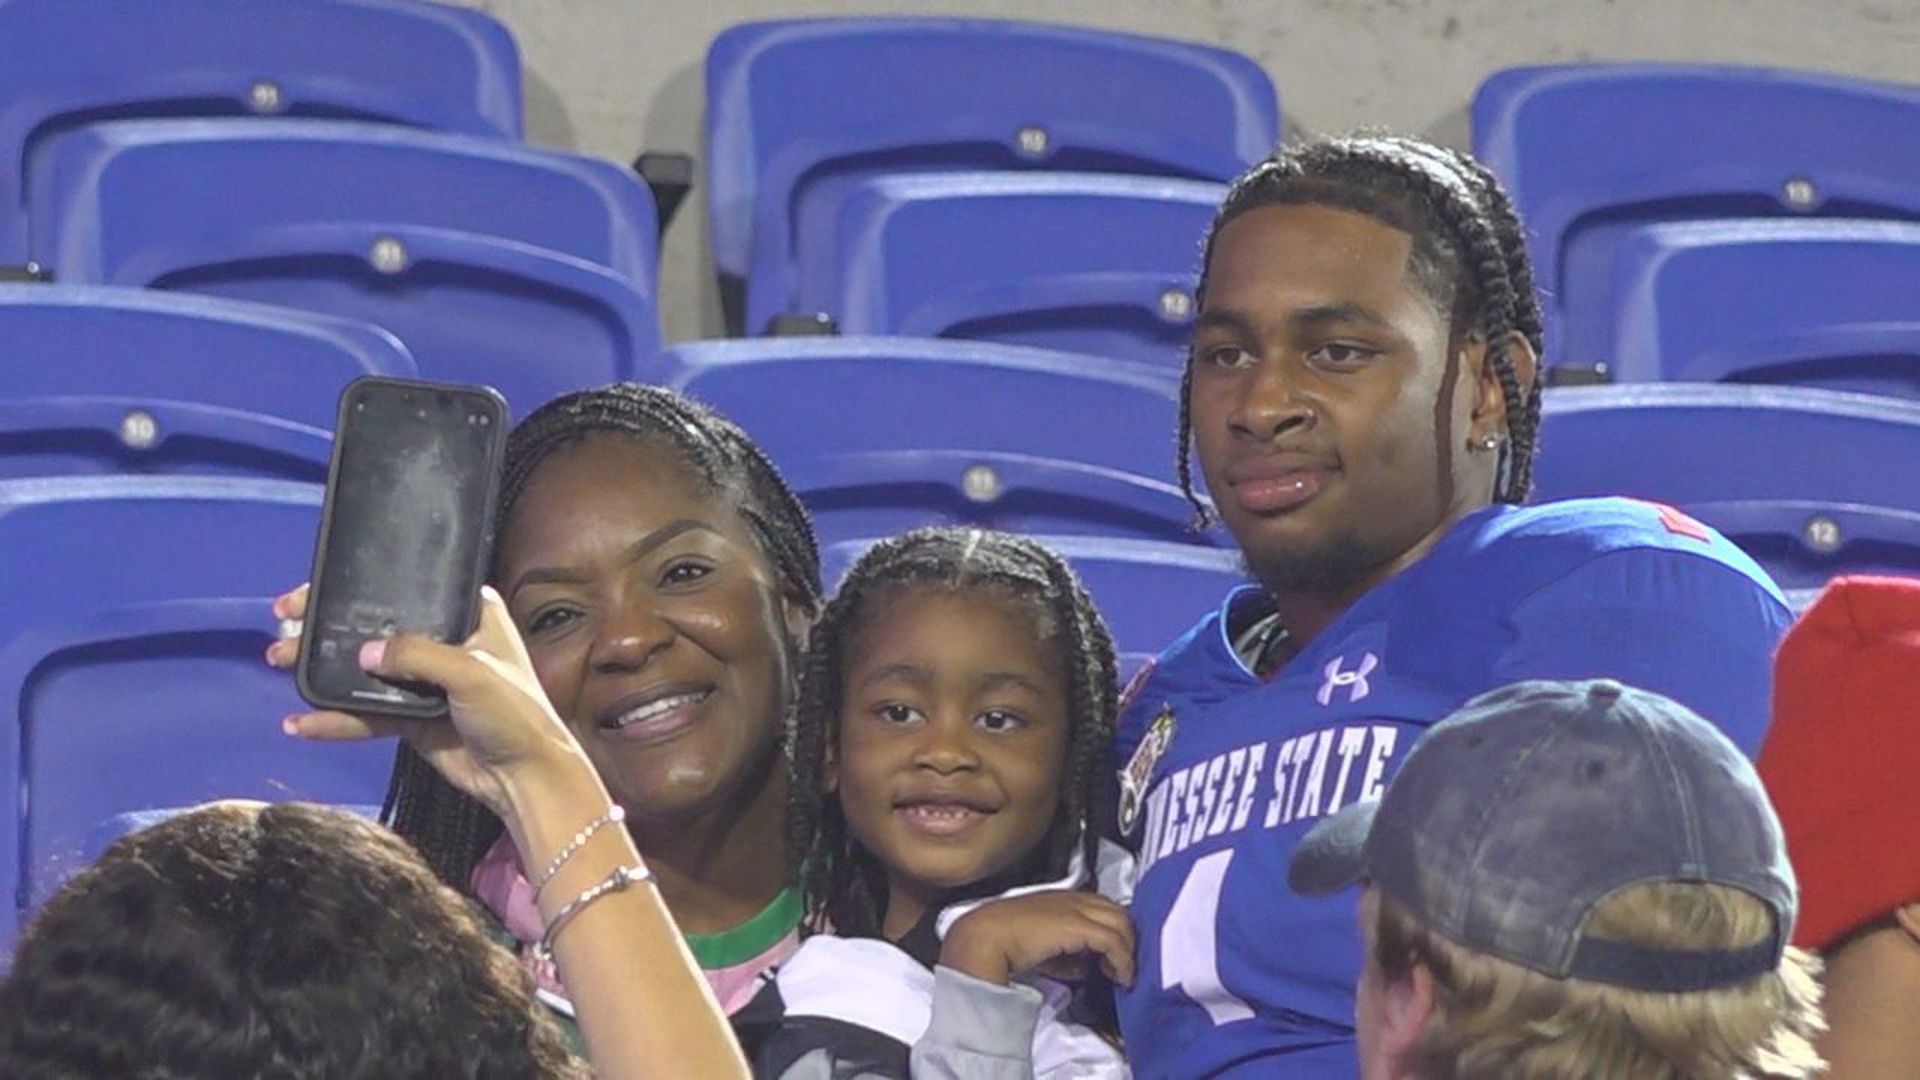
column 867, row 1009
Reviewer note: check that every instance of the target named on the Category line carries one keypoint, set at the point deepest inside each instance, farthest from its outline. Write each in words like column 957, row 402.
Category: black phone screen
column 405, row 535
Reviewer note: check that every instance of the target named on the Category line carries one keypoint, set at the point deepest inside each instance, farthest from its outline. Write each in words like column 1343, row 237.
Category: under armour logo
column 1354, row 682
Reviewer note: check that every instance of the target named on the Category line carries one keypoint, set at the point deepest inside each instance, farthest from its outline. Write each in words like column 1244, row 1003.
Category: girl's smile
column 953, row 735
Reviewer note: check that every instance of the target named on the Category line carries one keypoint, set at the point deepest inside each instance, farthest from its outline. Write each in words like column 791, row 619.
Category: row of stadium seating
column 1028, row 184
column 483, row 254
column 880, row 434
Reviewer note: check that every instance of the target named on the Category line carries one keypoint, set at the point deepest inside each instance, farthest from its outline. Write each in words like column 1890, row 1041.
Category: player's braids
column 1523, row 424
column 843, row 885
column 450, row 829
column 1469, row 255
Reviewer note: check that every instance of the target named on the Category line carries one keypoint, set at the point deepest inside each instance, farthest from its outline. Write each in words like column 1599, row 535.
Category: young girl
column 954, row 715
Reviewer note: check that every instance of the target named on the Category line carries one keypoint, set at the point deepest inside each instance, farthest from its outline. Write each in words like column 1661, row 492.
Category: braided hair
column 450, row 829
column 1469, row 256
column 842, row 884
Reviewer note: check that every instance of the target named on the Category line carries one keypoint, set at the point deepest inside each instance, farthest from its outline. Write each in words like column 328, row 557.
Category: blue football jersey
column 1221, row 773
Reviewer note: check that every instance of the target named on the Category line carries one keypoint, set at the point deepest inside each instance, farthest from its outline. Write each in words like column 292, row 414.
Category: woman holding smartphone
column 654, row 578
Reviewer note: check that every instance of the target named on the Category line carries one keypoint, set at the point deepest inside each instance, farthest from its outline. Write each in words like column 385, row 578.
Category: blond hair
column 1493, row 1018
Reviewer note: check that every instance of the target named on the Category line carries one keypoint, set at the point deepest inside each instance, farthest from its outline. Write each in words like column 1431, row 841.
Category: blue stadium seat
column 1088, row 263
column 67, row 63
column 1812, row 483
column 131, row 674
column 119, row 201
column 1591, row 150
column 881, row 492
column 1149, row 592
column 1826, row 302
column 528, row 321
column 801, row 397
column 96, row 379
column 799, row 110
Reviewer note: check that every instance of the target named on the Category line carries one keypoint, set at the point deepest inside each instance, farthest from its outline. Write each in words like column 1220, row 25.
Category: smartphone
column 405, row 534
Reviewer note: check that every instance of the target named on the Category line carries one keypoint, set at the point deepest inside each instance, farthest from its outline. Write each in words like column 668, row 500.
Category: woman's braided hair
column 845, row 886
column 452, row 830
column 1469, row 256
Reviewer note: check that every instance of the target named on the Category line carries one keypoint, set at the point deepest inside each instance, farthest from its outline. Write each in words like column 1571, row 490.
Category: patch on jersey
column 1139, row 771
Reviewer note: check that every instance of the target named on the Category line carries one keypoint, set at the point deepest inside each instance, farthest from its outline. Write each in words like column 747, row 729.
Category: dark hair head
column 452, row 830
column 288, row 941
column 844, row 885
column 1469, row 256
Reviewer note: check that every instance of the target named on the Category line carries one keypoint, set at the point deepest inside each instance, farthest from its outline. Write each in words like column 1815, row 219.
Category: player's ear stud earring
column 1489, row 441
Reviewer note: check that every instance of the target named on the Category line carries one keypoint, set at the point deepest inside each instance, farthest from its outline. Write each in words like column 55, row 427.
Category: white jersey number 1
column 1189, row 952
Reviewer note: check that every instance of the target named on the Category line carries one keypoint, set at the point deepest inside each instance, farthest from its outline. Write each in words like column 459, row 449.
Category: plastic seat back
column 1762, row 301
column 110, row 380
column 882, row 492
column 528, row 321
column 130, row 660
column 1590, row 151
column 800, row 397
column 1081, row 262
column 798, row 110
column 116, row 201
column 68, row 63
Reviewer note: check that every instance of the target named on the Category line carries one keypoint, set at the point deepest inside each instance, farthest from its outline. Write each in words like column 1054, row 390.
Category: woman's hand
column 500, row 728
column 642, row 1002
column 1054, row 932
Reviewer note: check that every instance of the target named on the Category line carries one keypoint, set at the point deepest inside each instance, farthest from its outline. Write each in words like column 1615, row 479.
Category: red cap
column 1842, row 759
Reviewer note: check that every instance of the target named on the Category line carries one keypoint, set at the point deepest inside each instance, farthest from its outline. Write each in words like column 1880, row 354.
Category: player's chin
column 1321, row 562
column 1269, row 539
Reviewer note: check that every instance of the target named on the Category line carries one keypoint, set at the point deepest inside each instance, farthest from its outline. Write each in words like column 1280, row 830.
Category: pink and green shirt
column 732, row 960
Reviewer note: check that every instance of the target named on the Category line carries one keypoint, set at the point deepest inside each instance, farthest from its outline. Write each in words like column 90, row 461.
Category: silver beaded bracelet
column 614, row 816
column 621, row 877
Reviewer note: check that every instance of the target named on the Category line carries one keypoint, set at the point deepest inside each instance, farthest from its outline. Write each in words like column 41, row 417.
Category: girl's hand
column 1052, row 932
column 500, row 727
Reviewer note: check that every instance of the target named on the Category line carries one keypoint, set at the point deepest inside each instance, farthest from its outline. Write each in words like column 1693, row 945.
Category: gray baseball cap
column 1512, row 818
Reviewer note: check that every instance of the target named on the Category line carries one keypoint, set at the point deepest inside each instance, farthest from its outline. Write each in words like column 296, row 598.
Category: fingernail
column 290, row 725
column 372, row 653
